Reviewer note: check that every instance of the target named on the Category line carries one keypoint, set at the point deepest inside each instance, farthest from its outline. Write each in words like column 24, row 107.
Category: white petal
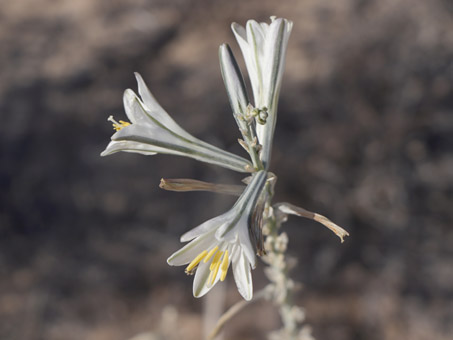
column 243, row 277
column 205, row 227
column 234, row 83
column 139, row 114
column 149, row 100
column 155, row 110
column 227, row 232
column 274, row 51
column 134, row 108
column 239, row 215
column 247, row 53
column 246, row 245
column 201, row 284
column 191, row 250
column 256, row 36
column 264, row 27
column 164, row 141
column 156, row 136
column 239, row 31
column 128, row 146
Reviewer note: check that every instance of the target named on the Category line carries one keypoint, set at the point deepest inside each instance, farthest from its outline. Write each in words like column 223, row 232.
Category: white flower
column 152, row 131
column 221, row 241
column 264, row 48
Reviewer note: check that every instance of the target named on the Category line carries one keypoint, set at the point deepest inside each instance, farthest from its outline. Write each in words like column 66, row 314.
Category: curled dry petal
column 185, row 184
column 289, row 208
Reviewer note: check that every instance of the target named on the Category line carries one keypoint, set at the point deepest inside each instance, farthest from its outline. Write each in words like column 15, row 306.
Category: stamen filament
column 212, row 252
column 224, row 266
column 196, row 261
column 216, row 260
column 216, row 269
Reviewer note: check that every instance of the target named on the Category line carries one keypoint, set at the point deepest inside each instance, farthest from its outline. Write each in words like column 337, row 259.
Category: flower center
column 117, row 126
column 219, row 262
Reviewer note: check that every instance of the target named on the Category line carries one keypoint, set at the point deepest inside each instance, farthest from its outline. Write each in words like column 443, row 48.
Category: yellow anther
column 212, row 252
column 117, row 126
column 196, row 261
column 124, row 124
column 216, row 260
column 224, row 266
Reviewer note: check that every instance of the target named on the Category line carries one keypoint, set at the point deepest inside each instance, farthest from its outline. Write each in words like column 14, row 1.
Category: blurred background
column 364, row 136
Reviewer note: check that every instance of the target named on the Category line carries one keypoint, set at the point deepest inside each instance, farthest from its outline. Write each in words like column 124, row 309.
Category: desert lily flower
column 264, row 48
column 151, row 130
column 221, row 241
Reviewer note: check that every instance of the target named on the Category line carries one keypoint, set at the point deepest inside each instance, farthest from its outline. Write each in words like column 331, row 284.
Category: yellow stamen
column 196, row 261
column 117, row 126
column 215, row 270
column 216, row 260
column 212, row 252
column 224, row 266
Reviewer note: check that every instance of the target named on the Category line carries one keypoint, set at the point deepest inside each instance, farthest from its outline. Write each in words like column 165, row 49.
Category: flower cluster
column 231, row 238
column 235, row 237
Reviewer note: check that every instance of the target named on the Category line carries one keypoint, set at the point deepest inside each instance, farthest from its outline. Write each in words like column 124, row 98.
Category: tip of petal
column 248, row 297
column 139, row 78
column 129, row 95
column 239, row 31
column 170, row 261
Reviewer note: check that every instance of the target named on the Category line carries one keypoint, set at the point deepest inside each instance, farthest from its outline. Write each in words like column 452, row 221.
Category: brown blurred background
column 364, row 136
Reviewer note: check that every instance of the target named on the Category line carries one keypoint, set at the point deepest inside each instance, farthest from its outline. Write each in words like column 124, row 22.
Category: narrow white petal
column 153, row 135
column 274, row 51
column 155, row 110
column 164, row 141
column 149, row 100
column 205, row 227
column 256, row 36
column 128, row 146
column 256, row 41
column 239, row 31
column 234, row 83
column 243, row 277
column 246, row 49
column 201, row 284
column 134, row 108
column 242, row 209
column 187, row 253
column 264, row 27
column 246, row 245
